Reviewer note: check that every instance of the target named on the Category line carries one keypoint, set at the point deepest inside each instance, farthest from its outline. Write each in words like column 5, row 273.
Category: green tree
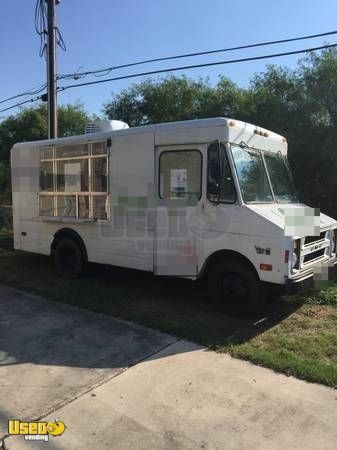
column 300, row 104
column 31, row 124
column 171, row 99
column 4, row 184
column 313, row 144
column 274, row 100
column 318, row 73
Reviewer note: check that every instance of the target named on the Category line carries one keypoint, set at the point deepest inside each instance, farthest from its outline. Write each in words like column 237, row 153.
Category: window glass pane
column 180, row 175
column 220, row 185
column 69, row 151
column 73, row 176
column 46, row 153
column 66, row 206
column 100, row 207
column 46, row 206
column 83, row 206
column 252, row 176
column 99, row 174
column 99, row 148
column 46, row 176
column 70, row 176
column 284, row 190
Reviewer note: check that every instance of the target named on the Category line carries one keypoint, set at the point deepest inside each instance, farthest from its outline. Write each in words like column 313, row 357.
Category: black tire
column 235, row 288
column 68, row 258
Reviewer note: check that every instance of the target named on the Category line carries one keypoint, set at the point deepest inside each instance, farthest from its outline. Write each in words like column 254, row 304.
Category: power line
column 42, row 29
column 196, row 66
column 23, row 94
column 188, row 55
column 41, row 25
column 174, row 69
column 20, row 104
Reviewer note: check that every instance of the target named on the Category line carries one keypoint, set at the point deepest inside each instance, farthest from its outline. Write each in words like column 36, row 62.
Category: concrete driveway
column 120, row 386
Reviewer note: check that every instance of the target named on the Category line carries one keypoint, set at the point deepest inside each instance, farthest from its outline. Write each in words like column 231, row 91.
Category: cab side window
column 220, row 185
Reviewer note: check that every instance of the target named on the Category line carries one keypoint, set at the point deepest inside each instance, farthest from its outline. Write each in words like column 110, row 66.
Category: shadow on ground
column 49, row 333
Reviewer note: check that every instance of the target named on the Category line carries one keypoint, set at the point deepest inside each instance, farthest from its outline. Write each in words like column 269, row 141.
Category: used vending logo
column 36, row 431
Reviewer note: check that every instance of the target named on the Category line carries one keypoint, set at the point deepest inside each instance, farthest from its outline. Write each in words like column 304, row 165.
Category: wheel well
column 221, row 255
column 69, row 234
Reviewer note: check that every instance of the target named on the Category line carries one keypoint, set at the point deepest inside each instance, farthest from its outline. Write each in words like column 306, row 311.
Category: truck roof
column 237, row 125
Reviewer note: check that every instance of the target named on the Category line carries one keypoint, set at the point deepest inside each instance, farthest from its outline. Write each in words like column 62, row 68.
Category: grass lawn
column 296, row 336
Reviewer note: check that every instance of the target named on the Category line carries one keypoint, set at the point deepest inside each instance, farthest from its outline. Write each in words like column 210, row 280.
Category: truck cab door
column 179, row 192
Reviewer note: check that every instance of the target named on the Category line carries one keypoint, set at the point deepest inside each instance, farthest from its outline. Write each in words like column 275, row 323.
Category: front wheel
column 68, row 258
column 235, row 288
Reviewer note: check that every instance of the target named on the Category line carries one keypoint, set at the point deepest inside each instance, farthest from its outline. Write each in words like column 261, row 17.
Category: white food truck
column 209, row 197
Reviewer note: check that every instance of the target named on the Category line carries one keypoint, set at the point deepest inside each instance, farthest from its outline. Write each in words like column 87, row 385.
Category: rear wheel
column 68, row 258
column 235, row 288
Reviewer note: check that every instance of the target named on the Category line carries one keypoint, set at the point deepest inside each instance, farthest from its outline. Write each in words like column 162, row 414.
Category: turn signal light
column 286, row 256
column 266, row 267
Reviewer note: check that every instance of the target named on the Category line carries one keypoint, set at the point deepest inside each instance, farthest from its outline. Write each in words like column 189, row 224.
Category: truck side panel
column 125, row 239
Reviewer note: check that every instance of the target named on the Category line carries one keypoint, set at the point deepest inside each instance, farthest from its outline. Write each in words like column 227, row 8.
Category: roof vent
column 105, row 125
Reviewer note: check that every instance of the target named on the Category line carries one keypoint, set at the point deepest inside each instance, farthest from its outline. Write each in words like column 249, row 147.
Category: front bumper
column 305, row 280
column 294, row 287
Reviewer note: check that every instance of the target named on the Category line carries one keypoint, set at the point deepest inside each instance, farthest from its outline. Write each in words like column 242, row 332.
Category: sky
column 105, row 33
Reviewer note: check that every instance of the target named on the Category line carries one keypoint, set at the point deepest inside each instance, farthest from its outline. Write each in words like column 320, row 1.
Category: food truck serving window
column 74, row 181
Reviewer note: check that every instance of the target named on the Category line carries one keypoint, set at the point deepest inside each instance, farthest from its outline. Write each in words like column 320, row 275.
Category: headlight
column 334, row 241
column 294, row 260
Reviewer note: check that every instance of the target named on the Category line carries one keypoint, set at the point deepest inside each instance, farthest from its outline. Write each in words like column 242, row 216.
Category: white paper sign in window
column 180, row 174
column 178, row 183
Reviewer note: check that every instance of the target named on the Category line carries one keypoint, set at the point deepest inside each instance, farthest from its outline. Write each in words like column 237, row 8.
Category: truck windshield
column 252, row 175
column 253, row 178
column 280, row 178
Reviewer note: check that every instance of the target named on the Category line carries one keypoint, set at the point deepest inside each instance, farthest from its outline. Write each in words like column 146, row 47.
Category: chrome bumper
column 305, row 278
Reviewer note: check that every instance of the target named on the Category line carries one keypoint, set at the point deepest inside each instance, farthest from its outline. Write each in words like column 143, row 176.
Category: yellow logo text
column 36, row 431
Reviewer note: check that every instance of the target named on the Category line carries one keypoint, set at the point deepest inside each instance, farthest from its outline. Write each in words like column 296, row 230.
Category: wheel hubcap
column 234, row 288
column 69, row 260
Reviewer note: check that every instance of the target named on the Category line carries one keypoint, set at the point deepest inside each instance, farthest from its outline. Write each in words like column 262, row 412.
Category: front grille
column 312, row 239
column 314, row 255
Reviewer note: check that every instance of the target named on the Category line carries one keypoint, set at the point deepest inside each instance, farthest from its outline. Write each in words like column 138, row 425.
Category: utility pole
column 51, row 71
